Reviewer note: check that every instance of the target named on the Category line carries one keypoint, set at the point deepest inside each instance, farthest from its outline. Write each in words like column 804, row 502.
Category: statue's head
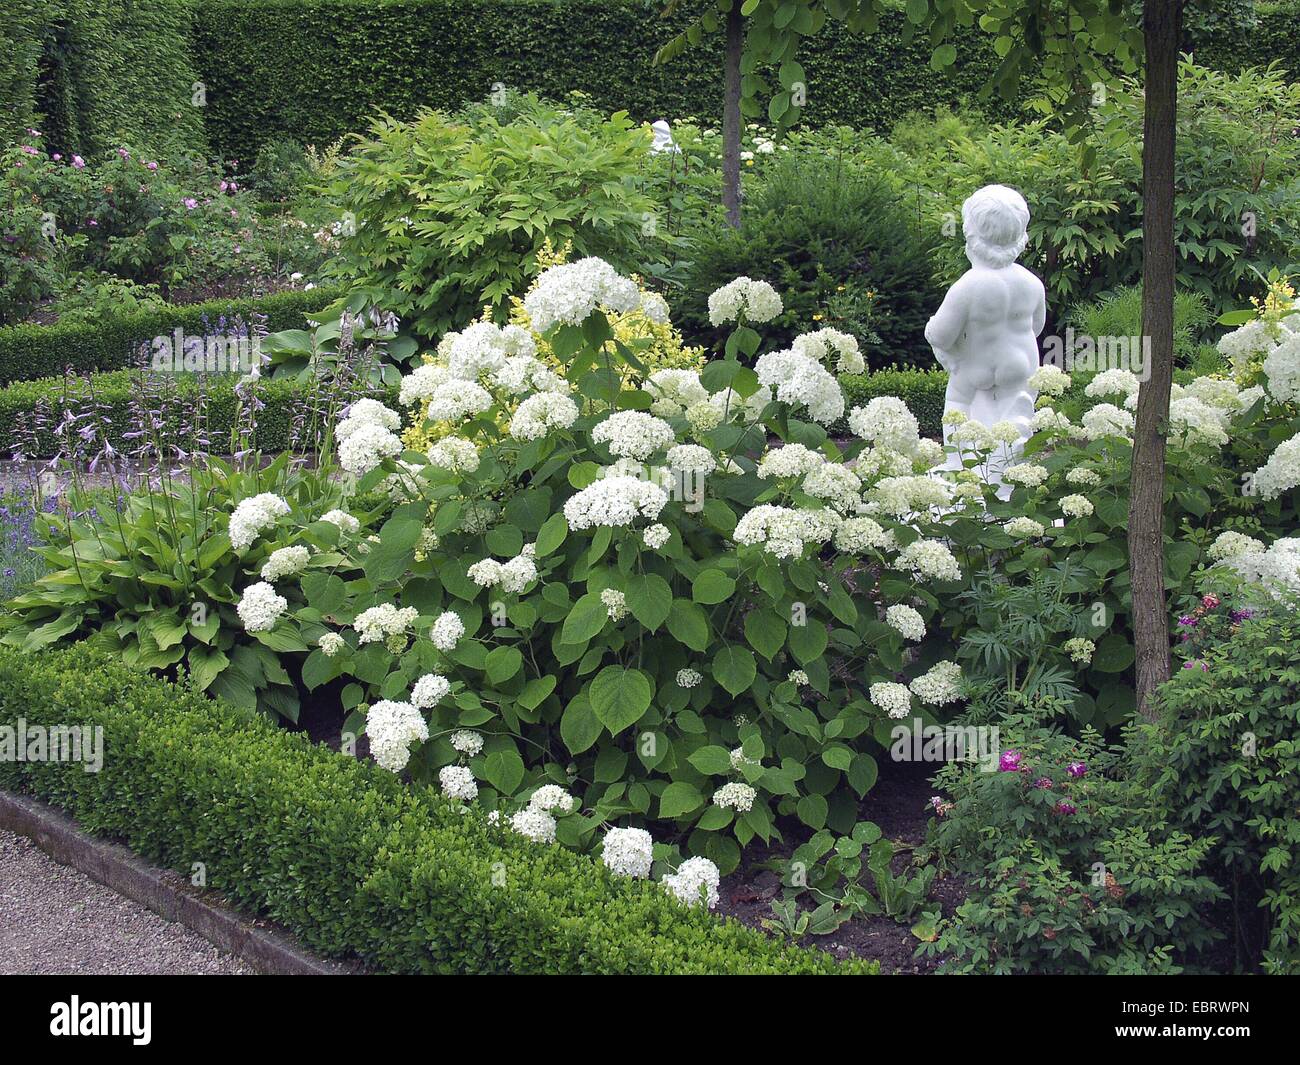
column 995, row 219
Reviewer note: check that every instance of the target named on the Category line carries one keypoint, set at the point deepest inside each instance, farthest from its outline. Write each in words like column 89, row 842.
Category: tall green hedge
column 315, row 69
column 349, row 859
column 95, row 74
column 33, row 351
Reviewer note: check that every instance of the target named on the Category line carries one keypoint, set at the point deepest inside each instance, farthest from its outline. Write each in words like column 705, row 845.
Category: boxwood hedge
column 353, row 862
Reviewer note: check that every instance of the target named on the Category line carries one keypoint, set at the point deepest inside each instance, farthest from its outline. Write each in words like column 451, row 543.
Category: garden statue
column 985, row 332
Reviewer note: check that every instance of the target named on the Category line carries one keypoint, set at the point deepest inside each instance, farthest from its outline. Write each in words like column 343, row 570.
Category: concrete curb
column 166, row 893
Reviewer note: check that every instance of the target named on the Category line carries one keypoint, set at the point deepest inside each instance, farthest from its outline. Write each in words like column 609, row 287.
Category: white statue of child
column 985, row 331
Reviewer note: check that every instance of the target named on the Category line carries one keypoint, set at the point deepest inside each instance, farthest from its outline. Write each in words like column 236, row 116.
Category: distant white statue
column 663, row 141
column 985, row 331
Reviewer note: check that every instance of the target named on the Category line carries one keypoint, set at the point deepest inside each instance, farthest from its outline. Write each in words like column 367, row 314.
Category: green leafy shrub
column 1224, row 762
column 1119, row 314
column 834, row 242
column 351, row 861
column 445, row 217
column 922, row 390
column 1070, row 871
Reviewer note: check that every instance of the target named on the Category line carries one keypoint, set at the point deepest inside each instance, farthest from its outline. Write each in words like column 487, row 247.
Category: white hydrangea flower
column 331, row 644
column 930, row 559
column 825, row 342
column 656, row 536
column 252, row 516
column 801, row 381
column 615, row 603
column 614, row 501
column 430, row 690
column 1216, row 392
column 696, row 881
column 365, row 447
column 541, row 413
column 1281, row 472
column 735, row 796
column 366, row 412
column 785, row 531
column 688, row 678
column 455, row 400
column 454, row 453
column 392, row 727
column 260, row 607
column 343, row 520
column 857, row 535
column 674, row 392
column 1049, row 380
column 691, row 458
column 535, row 825
column 837, row 485
column 1081, row 475
column 886, row 422
column 420, row 383
column 1231, row 544
column 634, row 434
column 523, row 373
column 628, row 852
column 756, row 300
column 1193, row 422
column 739, row 759
column 285, row 562
column 1023, row 528
column 1047, row 420
column 1027, row 473
column 1079, row 649
column 570, row 292
column 551, row 797
column 789, row 460
column 379, row 622
column 906, row 621
column 655, row 308
column 447, row 630
column 902, row 497
column 729, row 404
column 1076, row 506
column 1106, row 419
column 894, row 699
column 939, row 685
column 467, row 742
column 798, row 678
column 458, row 782
column 1114, row 382
column 484, row 347
column 1276, row 569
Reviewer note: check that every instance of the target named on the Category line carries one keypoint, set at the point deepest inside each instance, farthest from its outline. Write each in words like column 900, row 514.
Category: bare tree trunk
column 731, row 115
column 1146, row 493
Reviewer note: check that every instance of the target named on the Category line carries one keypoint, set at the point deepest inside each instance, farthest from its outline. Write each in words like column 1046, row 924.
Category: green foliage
column 922, row 390
column 354, row 863
column 1225, row 761
column 447, row 217
column 114, row 342
column 835, row 242
column 1119, row 314
column 1071, row 871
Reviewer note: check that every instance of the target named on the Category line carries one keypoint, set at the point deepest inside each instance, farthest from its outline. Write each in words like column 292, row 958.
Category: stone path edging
column 164, row 892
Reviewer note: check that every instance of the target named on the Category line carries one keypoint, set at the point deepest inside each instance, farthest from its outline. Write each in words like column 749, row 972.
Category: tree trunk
column 1146, row 498
column 731, row 115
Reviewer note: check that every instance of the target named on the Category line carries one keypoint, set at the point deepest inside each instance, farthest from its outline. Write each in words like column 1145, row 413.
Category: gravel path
column 56, row 920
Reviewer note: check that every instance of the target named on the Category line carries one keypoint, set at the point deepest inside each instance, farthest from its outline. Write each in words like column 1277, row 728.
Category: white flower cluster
column 331, row 644
column 628, row 852
column 551, row 797
column 343, row 520
column 1106, row 419
column 455, row 400
column 1076, row 506
column 535, row 825
column 790, row 460
column 1023, row 528
column 674, row 392
column 392, row 727
column 455, row 454
column 838, row 485
column 252, row 516
column 1281, row 472
column 614, row 501
column 906, row 621
column 540, row 413
column 887, row 422
column 939, row 685
column 695, row 881
column 1282, row 368
column 466, row 742
column 894, row 699
column 260, row 607
column 418, row 385
column 826, row 342
column 688, row 678
column 458, row 782
column 1231, row 544
column 735, row 796
column 1027, row 473
column 691, row 458
column 906, row 496
column 1049, row 380
column 799, row 380
column 447, row 630
column 1192, row 421
column 1115, row 382
column 379, row 622
column 484, row 348
column 615, row 603
column 930, row 559
column 1276, row 569
column 1081, row 475
column 1080, row 650
column 366, row 436
column 857, row 535
column 756, row 300
column 285, row 562
column 634, row 434
column 784, row 531
column 512, row 576
column 656, row 536
column 567, row 294
column 430, row 690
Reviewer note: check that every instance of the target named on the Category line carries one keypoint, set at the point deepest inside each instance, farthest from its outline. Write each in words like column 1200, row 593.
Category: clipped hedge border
column 922, row 391
column 24, row 404
column 343, row 855
column 33, row 351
